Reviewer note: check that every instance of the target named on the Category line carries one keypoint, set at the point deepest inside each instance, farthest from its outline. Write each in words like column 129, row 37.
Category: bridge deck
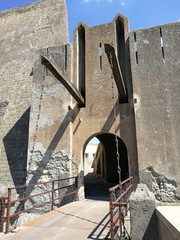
column 88, row 219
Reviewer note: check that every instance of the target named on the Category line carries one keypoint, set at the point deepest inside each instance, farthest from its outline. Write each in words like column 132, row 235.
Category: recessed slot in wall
column 161, row 42
column 100, row 55
column 121, row 46
column 81, row 60
column 136, row 47
column 65, row 58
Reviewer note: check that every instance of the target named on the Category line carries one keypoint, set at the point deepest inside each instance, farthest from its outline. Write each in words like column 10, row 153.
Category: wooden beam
column 49, row 62
column 110, row 51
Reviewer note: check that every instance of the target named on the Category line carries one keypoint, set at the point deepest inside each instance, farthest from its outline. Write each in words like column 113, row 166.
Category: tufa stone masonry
column 55, row 96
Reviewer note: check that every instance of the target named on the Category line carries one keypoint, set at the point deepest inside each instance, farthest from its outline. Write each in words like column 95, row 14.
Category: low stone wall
column 168, row 222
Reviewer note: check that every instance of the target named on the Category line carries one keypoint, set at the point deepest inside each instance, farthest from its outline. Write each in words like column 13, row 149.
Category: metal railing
column 35, row 196
column 118, row 204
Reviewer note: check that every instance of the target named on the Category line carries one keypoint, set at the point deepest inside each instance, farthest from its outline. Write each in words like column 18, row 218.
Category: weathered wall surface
column 22, row 32
column 156, row 85
column 50, row 120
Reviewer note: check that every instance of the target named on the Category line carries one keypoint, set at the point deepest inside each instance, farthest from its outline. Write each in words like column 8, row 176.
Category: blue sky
column 141, row 13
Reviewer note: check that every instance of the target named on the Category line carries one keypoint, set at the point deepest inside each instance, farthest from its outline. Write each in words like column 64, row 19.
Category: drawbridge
column 100, row 216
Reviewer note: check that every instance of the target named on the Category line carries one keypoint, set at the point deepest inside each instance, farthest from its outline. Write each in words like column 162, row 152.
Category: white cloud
column 123, row 3
column 87, row 1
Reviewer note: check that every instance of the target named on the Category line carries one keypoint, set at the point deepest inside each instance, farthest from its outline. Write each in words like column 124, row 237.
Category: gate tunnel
column 105, row 165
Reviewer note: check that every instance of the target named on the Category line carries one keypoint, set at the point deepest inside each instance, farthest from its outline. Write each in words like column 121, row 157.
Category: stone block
column 142, row 214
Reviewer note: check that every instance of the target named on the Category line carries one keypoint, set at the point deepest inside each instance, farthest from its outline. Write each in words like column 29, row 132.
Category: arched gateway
column 102, row 158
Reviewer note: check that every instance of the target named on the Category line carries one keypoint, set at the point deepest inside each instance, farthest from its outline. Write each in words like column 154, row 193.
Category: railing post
column 76, row 182
column 132, row 184
column 76, row 187
column 8, row 210
column 120, row 222
column 52, row 200
column 2, row 214
column 111, row 214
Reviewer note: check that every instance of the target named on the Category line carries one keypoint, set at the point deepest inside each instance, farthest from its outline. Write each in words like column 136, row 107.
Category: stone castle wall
column 23, row 31
column 155, row 68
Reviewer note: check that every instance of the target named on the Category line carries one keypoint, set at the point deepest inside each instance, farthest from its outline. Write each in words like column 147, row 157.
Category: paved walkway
column 88, row 219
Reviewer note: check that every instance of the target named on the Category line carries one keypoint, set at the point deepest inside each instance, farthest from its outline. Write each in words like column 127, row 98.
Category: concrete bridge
column 89, row 219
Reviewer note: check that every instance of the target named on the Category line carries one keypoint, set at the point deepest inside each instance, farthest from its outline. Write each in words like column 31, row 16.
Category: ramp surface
column 88, row 219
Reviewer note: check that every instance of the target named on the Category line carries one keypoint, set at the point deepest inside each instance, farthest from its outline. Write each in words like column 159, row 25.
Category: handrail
column 7, row 213
column 118, row 204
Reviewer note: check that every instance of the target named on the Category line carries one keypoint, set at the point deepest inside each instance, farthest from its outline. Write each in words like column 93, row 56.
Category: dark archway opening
column 105, row 167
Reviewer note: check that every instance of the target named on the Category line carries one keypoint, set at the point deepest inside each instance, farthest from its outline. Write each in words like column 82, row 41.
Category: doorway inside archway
column 101, row 172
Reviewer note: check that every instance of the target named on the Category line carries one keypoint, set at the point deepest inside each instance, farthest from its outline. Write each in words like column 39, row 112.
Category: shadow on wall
column 16, row 146
column 151, row 232
column 110, row 120
column 70, row 117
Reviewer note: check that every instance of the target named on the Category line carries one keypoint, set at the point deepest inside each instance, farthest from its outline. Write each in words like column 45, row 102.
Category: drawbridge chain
column 115, row 127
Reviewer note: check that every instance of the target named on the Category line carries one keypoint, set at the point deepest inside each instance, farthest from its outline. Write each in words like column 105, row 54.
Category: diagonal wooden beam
column 110, row 51
column 49, row 62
